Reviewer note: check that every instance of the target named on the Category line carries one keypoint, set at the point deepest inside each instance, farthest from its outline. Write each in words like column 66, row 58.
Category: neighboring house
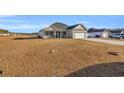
column 35, row 34
column 99, row 33
column 19, row 34
column 4, row 34
column 117, row 31
column 60, row 30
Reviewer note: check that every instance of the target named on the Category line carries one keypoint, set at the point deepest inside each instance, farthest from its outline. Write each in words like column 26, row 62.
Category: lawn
column 31, row 57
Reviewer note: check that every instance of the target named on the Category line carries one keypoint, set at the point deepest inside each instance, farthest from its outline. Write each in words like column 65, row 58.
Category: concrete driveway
column 115, row 42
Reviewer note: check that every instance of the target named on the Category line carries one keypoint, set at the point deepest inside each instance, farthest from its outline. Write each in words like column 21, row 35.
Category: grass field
column 31, row 57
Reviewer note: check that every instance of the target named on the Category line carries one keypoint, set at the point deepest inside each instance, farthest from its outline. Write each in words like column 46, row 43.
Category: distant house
column 101, row 33
column 4, row 32
column 20, row 34
column 116, row 31
column 60, row 30
column 35, row 34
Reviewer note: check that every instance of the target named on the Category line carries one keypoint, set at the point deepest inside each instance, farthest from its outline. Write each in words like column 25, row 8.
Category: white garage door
column 78, row 35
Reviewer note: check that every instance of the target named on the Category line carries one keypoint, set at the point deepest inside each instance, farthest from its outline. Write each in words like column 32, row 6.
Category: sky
column 33, row 23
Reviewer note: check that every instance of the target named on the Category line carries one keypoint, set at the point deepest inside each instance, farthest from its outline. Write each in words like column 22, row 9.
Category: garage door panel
column 79, row 35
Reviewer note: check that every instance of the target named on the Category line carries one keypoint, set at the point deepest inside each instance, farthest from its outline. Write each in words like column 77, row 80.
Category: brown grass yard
column 31, row 57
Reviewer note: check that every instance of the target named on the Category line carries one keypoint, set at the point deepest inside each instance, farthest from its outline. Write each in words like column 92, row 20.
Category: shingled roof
column 117, row 30
column 95, row 30
column 73, row 26
column 59, row 26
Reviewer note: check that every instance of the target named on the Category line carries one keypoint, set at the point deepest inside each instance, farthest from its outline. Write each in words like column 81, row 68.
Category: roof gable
column 77, row 27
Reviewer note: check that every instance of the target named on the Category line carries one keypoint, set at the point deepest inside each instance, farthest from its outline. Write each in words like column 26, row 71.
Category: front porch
column 56, row 34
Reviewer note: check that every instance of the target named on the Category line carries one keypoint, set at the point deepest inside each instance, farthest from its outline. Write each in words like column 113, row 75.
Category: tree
column 4, row 31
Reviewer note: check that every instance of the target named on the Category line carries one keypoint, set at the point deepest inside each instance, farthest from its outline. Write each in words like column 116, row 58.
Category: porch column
column 60, row 34
column 66, row 34
column 54, row 34
column 43, row 33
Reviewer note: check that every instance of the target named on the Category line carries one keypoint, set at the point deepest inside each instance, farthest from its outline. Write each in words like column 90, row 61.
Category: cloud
column 83, row 22
column 7, row 16
column 13, row 20
column 20, row 26
column 23, row 26
column 43, row 26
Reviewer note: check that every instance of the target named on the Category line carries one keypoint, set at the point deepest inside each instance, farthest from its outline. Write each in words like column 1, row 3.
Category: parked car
column 120, row 36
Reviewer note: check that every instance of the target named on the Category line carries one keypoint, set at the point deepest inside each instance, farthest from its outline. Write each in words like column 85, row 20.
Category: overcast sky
column 35, row 23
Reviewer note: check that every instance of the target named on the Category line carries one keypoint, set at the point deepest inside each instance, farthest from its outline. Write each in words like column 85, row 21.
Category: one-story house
column 35, row 34
column 99, row 33
column 4, row 32
column 60, row 30
column 116, row 31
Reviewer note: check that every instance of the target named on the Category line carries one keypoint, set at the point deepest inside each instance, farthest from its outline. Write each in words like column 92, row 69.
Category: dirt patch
column 114, row 53
column 1, row 72
column 115, row 69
